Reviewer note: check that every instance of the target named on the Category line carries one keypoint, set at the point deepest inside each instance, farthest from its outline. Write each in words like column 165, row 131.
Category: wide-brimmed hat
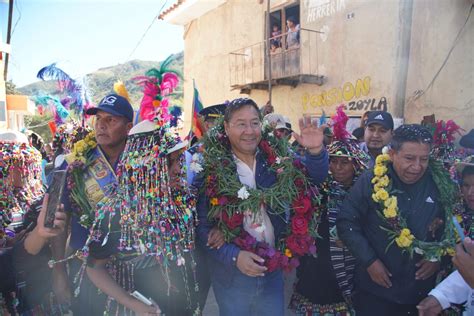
column 467, row 162
column 467, row 141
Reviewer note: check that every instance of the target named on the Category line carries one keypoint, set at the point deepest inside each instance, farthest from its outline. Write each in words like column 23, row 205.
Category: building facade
column 411, row 58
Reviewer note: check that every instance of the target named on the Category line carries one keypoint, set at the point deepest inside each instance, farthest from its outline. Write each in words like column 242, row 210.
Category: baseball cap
column 114, row 104
column 213, row 111
column 380, row 117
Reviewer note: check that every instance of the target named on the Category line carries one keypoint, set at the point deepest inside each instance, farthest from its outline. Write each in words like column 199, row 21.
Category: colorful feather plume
column 53, row 105
column 120, row 89
column 339, row 122
column 74, row 89
column 157, row 84
column 444, row 132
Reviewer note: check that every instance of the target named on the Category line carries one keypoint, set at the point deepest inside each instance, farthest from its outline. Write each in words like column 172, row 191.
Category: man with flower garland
column 393, row 213
column 243, row 281
column 100, row 152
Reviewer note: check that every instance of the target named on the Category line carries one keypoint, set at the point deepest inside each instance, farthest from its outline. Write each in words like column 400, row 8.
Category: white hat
column 278, row 121
column 13, row 136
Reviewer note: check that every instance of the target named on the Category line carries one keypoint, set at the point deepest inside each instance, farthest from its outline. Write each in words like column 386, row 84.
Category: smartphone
column 459, row 229
column 55, row 192
column 139, row 296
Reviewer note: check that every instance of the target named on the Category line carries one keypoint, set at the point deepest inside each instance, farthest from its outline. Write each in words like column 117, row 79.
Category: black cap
column 213, row 111
column 467, row 141
column 380, row 117
column 115, row 105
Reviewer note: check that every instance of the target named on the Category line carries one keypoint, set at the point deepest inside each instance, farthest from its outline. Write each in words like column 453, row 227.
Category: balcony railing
column 290, row 64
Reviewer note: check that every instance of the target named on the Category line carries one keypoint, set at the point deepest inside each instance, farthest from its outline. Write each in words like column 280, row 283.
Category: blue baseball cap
column 114, row 104
column 380, row 117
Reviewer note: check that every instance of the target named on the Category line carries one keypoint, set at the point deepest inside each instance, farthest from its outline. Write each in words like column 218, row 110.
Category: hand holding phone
column 458, row 228
column 147, row 301
column 55, row 192
column 58, row 222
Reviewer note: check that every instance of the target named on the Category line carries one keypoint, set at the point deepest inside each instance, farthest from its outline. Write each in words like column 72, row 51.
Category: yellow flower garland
column 396, row 226
column 83, row 146
column 390, row 203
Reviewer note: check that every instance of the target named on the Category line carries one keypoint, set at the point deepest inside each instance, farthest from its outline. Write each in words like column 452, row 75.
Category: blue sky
column 84, row 35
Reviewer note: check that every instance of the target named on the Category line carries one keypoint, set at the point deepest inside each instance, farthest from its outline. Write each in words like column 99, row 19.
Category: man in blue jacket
column 389, row 281
column 241, row 283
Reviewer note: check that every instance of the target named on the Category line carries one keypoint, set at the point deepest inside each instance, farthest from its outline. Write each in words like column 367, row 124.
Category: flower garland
column 397, row 229
column 229, row 199
column 81, row 161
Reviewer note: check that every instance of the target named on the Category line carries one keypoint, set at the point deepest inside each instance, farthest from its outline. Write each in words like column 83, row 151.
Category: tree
column 11, row 87
column 39, row 124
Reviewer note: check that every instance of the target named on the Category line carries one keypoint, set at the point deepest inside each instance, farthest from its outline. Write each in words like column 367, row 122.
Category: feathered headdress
column 76, row 94
column 344, row 145
column 339, row 122
column 443, row 138
column 46, row 103
column 121, row 90
column 157, row 85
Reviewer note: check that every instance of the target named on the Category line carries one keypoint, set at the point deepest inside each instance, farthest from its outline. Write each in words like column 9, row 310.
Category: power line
column 146, row 31
column 19, row 17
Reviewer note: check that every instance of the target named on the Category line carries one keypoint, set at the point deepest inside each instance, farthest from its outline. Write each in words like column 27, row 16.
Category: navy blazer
column 222, row 261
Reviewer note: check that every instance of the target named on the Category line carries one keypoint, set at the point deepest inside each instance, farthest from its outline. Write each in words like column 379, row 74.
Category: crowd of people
column 375, row 223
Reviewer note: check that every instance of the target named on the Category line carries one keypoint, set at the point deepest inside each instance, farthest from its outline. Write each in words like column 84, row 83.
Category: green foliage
column 39, row 124
column 11, row 87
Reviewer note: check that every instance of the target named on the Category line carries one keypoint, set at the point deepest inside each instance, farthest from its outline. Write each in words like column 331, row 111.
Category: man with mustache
column 113, row 121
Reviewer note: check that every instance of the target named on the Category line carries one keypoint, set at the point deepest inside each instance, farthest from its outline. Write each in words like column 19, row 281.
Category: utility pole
column 269, row 57
column 9, row 31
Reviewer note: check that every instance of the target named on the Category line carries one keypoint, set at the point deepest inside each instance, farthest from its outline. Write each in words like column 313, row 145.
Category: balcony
column 290, row 65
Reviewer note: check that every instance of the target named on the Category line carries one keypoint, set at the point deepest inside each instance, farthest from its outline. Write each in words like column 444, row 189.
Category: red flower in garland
column 234, row 221
column 223, row 200
column 299, row 244
column 245, row 241
column 267, row 149
column 302, row 204
column 274, row 262
column 299, row 225
column 299, row 183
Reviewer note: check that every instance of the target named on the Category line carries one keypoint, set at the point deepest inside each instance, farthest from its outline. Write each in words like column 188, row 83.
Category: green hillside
column 101, row 82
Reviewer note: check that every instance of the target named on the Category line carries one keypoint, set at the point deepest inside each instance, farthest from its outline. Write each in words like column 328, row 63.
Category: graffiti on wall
column 354, row 95
column 316, row 9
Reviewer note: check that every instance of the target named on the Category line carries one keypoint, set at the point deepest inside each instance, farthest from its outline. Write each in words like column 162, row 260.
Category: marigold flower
column 383, row 181
column 390, row 212
column 382, row 195
column 382, row 159
column 405, row 239
column 288, row 253
column 391, row 202
column 214, row 201
column 380, row 171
